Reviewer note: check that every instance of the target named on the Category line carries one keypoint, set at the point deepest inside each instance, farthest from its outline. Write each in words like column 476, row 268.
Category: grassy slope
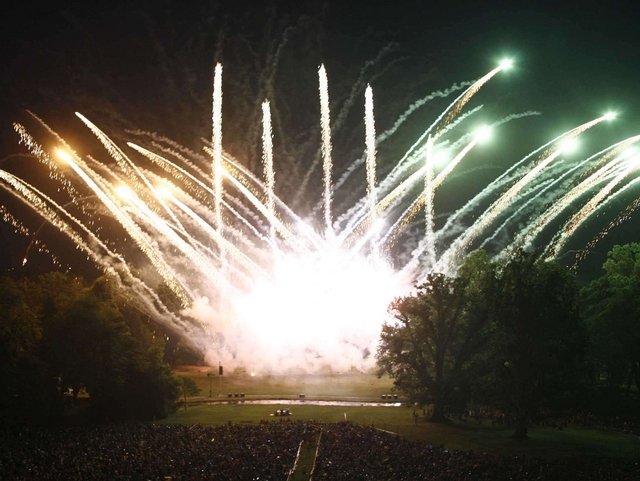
column 346, row 386
column 548, row 442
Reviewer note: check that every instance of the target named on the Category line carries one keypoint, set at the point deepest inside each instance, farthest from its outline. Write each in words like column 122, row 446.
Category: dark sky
column 574, row 60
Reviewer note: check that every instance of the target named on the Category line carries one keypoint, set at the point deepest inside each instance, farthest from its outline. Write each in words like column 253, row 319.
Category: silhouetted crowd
column 141, row 452
column 623, row 424
column 267, row 452
column 354, row 452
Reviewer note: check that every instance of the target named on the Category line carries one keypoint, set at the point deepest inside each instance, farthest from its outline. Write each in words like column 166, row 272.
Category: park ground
column 395, row 415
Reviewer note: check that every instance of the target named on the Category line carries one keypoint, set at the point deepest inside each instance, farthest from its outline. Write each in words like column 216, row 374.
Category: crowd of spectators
column 621, row 423
column 145, row 452
column 364, row 453
column 267, row 451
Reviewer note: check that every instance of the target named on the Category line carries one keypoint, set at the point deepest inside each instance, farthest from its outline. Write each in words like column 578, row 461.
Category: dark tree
column 57, row 333
column 428, row 350
column 24, row 387
column 538, row 342
column 612, row 309
column 188, row 388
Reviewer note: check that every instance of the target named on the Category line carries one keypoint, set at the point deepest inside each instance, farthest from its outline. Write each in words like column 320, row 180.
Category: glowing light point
column 378, row 226
column 24, row 261
column 569, row 145
column 610, row 115
column 63, row 155
column 124, row 192
column 506, row 64
column 440, row 158
column 483, row 133
column 163, row 191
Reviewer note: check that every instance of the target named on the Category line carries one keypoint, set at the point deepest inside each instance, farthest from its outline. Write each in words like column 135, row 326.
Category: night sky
column 151, row 68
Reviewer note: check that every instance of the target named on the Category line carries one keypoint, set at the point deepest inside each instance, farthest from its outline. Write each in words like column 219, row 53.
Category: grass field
column 465, row 435
column 345, row 386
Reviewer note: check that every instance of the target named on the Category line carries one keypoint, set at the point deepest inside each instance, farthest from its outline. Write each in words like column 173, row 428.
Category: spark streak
column 212, row 230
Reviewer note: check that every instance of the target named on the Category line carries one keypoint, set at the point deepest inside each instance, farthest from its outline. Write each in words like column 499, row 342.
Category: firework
column 269, row 288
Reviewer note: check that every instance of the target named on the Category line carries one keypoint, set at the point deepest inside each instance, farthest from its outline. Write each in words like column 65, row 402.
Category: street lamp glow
column 610, row 115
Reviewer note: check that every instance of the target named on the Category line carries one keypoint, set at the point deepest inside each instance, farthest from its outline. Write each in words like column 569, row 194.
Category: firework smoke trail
column 466, row 96
column 403, row 221
column 18, row 227
column 327, row 165
column 360, row 208
column 159, row 224
column 450, row 112
column 455, row 107
column 242, row 171
column 236, row 254
column 623, row 216
column 429, row 189
column 312, row 263
column 217, row 145
column 447, row 260
column 556, row 245
column 132, row 229
column 419, row 103
column 181, row 173
column 343, row 116
column 526, row 237
column 452, row 225
column 36, row 149
column 245, row 177
column 267, row 161
column 273, row 219
column 370, row 142
column 476, row 137
column 41, row 202
column 405, row 115
column 538, row 190
column 38, row 201
column 129, row 168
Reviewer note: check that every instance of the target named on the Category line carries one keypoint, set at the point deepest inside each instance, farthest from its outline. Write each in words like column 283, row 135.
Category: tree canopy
column 438, row 330
column 56, row 334
column 612, row 311
column 506, row 335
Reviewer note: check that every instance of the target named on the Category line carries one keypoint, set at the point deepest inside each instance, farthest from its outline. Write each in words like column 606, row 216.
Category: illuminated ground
column 366, row 387
column 351, row 386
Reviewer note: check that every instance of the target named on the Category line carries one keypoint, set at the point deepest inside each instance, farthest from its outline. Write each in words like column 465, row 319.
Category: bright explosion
column 262, row 288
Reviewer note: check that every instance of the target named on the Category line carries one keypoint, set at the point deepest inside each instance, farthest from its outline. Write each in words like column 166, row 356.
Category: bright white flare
column 506, row 64
column 327, row 164
column 267, row 161
column 217, row 144
column 324, row 300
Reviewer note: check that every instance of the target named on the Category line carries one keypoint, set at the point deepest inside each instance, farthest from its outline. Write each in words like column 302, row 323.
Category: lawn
column 546, row 442
column 345, row 386
column 458, row 434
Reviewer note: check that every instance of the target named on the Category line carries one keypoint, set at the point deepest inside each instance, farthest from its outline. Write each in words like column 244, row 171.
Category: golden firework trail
column 256, row 281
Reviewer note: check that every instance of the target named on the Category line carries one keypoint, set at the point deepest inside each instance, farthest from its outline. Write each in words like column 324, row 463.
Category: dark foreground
column 267, row 452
